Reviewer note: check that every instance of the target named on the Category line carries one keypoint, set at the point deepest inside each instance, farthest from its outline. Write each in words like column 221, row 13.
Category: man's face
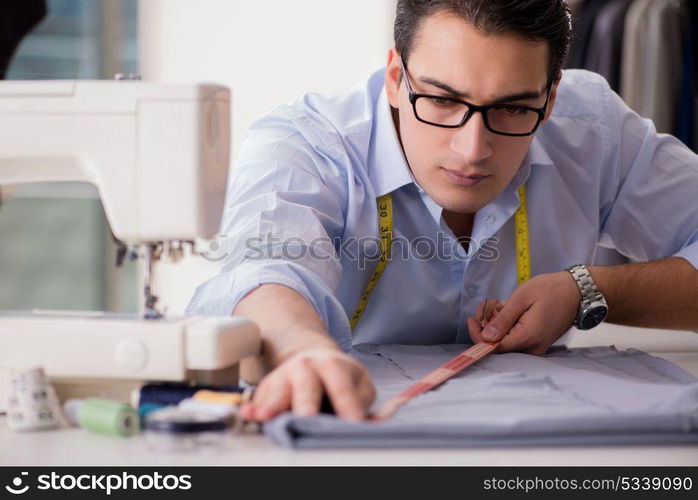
column 465, row 168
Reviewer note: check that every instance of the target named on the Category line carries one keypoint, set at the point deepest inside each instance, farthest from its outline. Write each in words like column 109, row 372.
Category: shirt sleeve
column 650, row 209
column 285, row 210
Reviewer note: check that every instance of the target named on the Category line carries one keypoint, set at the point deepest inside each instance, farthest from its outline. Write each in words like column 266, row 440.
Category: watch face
column 594, row 315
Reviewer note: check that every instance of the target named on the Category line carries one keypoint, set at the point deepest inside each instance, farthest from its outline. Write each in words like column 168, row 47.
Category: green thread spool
column 104, row 416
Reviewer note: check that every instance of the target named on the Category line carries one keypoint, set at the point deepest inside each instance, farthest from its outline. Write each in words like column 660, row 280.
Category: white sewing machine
column 158, row 155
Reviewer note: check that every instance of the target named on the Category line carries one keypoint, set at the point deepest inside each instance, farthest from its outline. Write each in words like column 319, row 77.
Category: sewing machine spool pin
column 151, row 254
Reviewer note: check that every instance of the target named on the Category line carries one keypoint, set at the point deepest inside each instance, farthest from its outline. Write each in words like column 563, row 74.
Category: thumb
column 498, row 327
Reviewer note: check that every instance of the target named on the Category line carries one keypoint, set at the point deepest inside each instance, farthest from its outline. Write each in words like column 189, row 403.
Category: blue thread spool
column 146, row 408
column 172, row 394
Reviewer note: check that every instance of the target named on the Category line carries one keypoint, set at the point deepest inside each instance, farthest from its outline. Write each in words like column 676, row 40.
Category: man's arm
column 305, row 361
column 286, row 205
column 658, row 294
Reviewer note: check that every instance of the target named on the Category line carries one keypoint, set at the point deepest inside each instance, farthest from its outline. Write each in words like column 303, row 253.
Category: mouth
column 465, row 180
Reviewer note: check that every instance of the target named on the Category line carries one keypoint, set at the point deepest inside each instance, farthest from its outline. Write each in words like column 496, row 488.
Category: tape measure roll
column 33, row 404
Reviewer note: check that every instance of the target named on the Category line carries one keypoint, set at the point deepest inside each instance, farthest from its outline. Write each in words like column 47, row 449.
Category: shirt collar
column 388, row 168
column 537, row 155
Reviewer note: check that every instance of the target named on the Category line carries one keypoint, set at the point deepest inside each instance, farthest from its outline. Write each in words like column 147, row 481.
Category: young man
column 471, row 115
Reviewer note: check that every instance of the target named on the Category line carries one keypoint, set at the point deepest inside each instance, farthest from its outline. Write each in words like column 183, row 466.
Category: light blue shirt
column 301, row 211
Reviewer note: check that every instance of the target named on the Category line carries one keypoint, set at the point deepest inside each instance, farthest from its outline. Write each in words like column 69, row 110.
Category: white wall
column 267, row 52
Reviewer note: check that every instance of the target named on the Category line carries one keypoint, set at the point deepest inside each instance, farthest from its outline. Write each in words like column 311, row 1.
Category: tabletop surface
column 78, row 447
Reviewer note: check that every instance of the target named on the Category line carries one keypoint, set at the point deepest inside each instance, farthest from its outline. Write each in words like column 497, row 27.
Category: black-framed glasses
column 448, row 112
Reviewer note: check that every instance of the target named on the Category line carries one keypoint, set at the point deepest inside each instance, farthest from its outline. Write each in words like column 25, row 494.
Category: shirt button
column 471, row 290
column 489, row 218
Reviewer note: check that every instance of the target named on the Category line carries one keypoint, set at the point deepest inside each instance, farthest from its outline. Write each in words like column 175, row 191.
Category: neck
column 460, row 224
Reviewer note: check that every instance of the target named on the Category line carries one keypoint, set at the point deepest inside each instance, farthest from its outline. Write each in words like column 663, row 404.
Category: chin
column 459, row 202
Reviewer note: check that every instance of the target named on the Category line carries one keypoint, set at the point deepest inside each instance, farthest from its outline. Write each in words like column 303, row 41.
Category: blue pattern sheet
column 581, row 396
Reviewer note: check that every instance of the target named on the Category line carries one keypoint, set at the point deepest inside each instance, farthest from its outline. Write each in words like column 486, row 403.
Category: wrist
column 275, row 352
column 599, row 273
column 593, row 307
column 307, row 340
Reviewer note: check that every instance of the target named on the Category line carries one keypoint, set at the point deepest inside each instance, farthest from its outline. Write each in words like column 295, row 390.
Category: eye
column 442, row 101
column 513, row 110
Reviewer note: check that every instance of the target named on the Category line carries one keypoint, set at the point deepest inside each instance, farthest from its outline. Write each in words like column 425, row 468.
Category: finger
column 492, row 308
column 246, row 411
column 527, row 335
column 533, row 332
column 306, row 390
column 505, row 320
column 480, row 310
column 272, row 398
column 340, row 388
column 475, row 330
column 518, row 340
column 365, row 389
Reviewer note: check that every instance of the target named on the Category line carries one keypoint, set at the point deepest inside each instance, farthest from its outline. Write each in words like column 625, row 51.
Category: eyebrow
column 521, row 96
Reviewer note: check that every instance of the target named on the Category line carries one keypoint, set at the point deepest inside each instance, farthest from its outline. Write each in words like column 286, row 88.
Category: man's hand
column 299, row 383
column 536, row 315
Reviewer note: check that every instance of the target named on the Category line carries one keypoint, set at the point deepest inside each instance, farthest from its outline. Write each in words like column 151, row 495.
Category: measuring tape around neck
column 385, row 227
column 523, row 255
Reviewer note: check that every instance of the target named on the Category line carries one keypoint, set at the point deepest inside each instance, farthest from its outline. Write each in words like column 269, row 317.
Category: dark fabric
column 606, row 42
column 582, row 26
column 17, row 18
column 686, row 112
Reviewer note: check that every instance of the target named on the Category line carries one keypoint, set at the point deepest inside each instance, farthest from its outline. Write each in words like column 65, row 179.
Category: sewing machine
column 158, row 155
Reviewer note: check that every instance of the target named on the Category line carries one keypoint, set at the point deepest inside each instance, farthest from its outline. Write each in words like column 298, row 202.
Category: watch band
column 587, row 286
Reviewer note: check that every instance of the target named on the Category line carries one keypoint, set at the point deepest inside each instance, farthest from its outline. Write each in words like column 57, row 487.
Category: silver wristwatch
column 593, row 308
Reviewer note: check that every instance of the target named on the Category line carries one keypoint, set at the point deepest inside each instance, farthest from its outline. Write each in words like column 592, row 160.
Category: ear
column 392, row 78
column 553, row 97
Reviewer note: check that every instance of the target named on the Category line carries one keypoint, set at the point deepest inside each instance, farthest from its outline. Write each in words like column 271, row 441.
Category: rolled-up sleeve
column 285, row 212
column 649, row 209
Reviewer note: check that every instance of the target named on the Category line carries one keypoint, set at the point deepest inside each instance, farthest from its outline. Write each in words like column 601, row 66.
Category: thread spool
column 172, row 394
column 221, row 398
column 215, row 409
column 146, row 408
column 102, row 416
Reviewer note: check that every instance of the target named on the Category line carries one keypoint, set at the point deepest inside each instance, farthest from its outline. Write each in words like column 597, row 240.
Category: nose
column 472, row 141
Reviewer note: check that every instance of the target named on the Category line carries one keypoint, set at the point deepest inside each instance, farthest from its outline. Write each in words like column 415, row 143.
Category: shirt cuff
column 219, row 295
column 690, row 253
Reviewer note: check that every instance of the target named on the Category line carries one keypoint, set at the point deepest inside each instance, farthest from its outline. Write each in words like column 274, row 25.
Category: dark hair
column 547, row 20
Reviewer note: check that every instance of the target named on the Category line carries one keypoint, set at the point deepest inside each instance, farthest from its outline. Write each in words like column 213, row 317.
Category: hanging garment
column 582, row 26
column 606, row 42
column 685, row 107
column 583, row 396
column 632, row 72
column 663, row 65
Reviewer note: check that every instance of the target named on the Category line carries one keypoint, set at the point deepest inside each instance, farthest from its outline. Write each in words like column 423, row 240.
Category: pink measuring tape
column 445, row 371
